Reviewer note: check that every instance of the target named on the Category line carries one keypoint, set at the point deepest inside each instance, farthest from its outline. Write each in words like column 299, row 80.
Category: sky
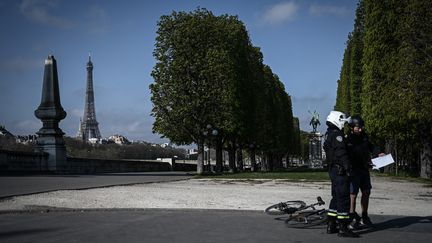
column 302, row 41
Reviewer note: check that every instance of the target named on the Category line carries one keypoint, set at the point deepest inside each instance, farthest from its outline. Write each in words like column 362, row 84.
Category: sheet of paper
column 382, row 161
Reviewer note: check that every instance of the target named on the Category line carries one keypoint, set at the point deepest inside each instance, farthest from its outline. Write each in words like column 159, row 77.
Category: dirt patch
column 388, row 197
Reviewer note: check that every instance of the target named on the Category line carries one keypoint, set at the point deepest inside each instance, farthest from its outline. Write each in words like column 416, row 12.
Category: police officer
column 359, row 152
column 339, row 169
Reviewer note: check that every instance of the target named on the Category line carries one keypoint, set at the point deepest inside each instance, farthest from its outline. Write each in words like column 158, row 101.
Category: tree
column 343, row 99
column 415, row 74
column 383, row 106
column 199, row 69
column 356, row 54
column 350, row 82
column 396, row 76
column 296, row 151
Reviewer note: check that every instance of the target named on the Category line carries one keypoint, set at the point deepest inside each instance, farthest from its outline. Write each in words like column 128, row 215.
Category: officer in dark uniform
column 359, row 152
column 339, row 169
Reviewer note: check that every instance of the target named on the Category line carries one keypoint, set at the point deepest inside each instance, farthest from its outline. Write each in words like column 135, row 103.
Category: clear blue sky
column 302, row 41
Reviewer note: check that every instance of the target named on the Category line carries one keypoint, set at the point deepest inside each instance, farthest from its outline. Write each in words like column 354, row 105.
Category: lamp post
column 208, row 133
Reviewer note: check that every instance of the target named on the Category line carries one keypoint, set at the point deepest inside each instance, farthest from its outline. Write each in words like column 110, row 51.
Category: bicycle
column 300, row 215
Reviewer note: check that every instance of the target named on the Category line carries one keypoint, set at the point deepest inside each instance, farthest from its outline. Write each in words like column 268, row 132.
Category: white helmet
column 337, row 118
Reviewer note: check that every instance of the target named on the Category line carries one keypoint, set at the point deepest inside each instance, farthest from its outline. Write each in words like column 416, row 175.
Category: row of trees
column 212, row 88
column 9, row 143
column 386, row 77
column 80, row 149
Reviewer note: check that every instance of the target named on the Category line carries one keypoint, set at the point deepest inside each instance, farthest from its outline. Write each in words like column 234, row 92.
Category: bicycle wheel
column 287, row 207
column 307, row 219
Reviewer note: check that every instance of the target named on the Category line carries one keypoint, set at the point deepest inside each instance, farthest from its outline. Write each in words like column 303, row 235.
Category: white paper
column 382, row 161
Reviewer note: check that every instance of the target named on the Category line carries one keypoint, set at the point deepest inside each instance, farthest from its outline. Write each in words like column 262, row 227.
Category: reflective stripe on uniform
column 332, row 212
column 343, row 216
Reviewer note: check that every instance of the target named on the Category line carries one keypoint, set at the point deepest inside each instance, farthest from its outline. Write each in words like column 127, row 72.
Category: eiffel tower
column 89, row 129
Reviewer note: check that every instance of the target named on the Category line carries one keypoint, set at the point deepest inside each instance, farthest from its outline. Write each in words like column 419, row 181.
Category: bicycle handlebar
column 320, row 201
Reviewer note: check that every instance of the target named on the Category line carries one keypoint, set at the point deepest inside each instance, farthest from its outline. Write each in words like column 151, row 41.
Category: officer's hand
column 341, row 171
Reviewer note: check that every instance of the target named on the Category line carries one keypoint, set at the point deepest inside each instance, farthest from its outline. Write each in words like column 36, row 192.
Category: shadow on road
column 23, row 232
column 123, row 174
column 398, row 223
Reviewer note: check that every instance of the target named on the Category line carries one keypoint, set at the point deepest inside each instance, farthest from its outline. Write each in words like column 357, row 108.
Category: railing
column 15, row 161
column 19, row 161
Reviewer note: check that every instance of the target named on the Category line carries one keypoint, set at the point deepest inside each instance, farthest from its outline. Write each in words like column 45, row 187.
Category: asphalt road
column 191, row 226
column 14, row 185
column 158, row 225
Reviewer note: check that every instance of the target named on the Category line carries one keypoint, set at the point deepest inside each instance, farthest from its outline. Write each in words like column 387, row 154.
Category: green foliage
column 304, row 143
column 381, row 102
column 356, row 55
column 350, row 82
column 392, row 42
column 209, row 75
column 198, row 74
column 9, row 143
column 343, row 95
column 296, row 142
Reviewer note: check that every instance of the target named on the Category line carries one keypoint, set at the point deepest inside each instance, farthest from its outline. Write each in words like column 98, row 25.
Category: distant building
column 18, row 139
column 5, row 133
column 89, row 127
column 166, row 145
column 26, row 139
column 118, row 139
column 192, row 151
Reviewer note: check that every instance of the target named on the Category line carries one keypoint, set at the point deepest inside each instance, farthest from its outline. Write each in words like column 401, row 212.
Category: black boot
column 344, row 231
column 365, row 220
column 354, row 221
column 331, row 225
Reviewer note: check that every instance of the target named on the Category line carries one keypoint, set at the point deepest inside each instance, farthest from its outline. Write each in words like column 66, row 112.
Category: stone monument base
column 315, row 150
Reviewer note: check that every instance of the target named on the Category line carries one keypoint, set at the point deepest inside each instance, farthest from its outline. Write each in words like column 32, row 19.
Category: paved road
column 191, row 226
column 158, row 225
column 28, row 184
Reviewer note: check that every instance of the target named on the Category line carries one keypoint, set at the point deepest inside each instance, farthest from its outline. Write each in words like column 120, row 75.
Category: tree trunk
column 240, row 159
column 270, row 162
column 219, row 167
column 231, row 159
column 389, row 148
column 276, row 162
column 264, row 163
column 200, row 160
column 253, row 160
column 426, row 153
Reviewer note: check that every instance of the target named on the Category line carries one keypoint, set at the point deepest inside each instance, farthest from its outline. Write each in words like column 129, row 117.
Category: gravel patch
column 389, row 197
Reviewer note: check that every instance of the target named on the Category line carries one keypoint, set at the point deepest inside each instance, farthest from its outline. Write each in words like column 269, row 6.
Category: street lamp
column 208, row 132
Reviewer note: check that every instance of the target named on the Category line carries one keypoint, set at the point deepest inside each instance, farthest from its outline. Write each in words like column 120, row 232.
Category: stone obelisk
column 50, row 112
